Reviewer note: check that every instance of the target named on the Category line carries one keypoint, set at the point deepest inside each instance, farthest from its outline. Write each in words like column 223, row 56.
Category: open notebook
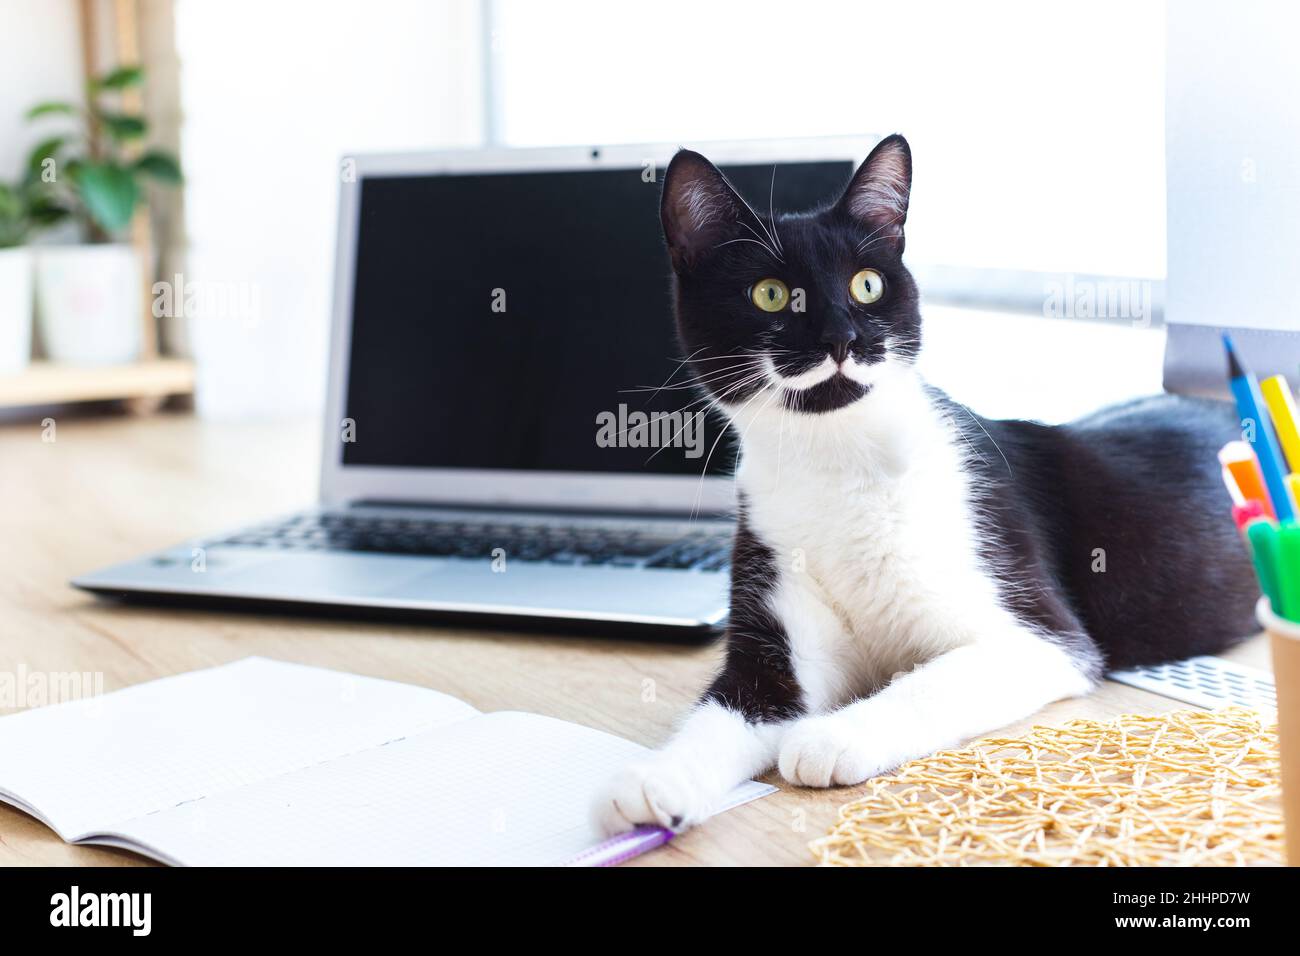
column 260, row 762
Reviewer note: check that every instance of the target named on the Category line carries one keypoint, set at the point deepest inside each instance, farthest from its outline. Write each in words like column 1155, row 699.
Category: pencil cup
column 1284, row 636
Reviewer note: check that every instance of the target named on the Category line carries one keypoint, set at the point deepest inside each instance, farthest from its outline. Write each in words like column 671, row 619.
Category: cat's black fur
column 758, row 678
column 1112, row 533
column 1135, row 490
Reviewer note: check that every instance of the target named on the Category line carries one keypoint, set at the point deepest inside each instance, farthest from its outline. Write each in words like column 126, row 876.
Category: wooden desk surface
column 107, row 489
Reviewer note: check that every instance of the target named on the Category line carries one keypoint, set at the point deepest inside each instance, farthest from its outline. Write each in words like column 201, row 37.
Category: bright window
column 1037, row 129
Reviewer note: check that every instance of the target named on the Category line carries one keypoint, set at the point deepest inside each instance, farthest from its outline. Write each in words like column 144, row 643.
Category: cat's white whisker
column 976, row 420
column 684, row 408
column 765, row 240
column 749, row 356
column 771, row 210
column 699, row 491
column 680, row 364
column 758, row 219
column 712, row 375
column 865, row 244
column 762, row 245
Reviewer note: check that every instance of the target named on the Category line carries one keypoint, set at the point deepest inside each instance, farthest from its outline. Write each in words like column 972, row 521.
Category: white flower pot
column 88, row 305
column 15, row 309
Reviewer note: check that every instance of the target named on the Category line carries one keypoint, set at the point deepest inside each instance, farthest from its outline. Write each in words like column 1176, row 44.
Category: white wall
column 40, row 59
column 274, row 94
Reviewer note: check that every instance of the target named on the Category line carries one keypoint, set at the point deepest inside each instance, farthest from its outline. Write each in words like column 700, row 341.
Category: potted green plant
column 15, row 281
column 23, row 210
column 88, row 296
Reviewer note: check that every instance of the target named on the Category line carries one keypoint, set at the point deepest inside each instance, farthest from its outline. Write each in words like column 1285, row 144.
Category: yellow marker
column 1293, row 485
column 1281, row 407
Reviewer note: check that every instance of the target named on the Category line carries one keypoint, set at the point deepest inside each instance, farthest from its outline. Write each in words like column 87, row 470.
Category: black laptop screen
column 506, row 320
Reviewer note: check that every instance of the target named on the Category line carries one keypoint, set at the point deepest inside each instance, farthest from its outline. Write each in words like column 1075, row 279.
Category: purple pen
column 623, row 847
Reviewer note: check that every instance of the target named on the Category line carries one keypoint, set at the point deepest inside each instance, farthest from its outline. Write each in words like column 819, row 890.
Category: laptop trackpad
column 327, row 575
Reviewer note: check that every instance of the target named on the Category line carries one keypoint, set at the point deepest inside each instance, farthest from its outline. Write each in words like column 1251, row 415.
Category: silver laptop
column 510, row 435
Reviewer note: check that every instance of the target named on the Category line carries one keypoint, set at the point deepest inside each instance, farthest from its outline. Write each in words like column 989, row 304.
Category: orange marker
column 1229, row 482
column 1238, row 460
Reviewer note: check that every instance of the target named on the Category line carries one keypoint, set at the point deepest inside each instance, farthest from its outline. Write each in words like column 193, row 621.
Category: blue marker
column 1250, row 407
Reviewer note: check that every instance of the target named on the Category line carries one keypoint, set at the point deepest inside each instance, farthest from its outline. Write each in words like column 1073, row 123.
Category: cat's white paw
column 829, row 750
column 654, row 792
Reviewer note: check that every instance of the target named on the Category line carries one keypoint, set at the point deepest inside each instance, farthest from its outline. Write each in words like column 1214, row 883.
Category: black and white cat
column 906, row 574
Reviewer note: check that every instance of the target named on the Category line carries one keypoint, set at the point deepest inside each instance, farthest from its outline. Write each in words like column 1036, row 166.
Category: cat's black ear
column 699, row 209
column 878, row 193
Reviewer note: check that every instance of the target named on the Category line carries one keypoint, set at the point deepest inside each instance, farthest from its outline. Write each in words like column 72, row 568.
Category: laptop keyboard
column 587, row 544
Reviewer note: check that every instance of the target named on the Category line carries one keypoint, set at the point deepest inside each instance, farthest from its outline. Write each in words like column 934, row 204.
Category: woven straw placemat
column 1188, row 788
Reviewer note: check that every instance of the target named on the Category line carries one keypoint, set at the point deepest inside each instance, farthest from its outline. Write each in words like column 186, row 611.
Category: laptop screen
column 522, row 320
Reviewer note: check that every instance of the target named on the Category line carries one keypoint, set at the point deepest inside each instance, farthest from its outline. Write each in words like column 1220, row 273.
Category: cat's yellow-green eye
column 867, row 286
column 770, row 295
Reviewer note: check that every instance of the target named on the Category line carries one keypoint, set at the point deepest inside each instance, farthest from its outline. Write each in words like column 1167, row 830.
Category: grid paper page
column 88, row 765
column 500, row 789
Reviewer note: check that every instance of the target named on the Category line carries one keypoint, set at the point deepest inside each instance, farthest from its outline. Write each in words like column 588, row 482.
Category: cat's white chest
column 877, row 568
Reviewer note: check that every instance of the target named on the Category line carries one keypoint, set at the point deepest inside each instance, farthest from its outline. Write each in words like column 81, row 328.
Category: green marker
column 1265, row 544
column 1287, row 566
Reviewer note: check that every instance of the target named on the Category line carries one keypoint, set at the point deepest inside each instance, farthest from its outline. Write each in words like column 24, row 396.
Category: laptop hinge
column 539, row 509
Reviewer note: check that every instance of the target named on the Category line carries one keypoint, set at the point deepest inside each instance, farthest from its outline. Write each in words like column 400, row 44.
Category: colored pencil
column 1259, row 432
column 1281, row 406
